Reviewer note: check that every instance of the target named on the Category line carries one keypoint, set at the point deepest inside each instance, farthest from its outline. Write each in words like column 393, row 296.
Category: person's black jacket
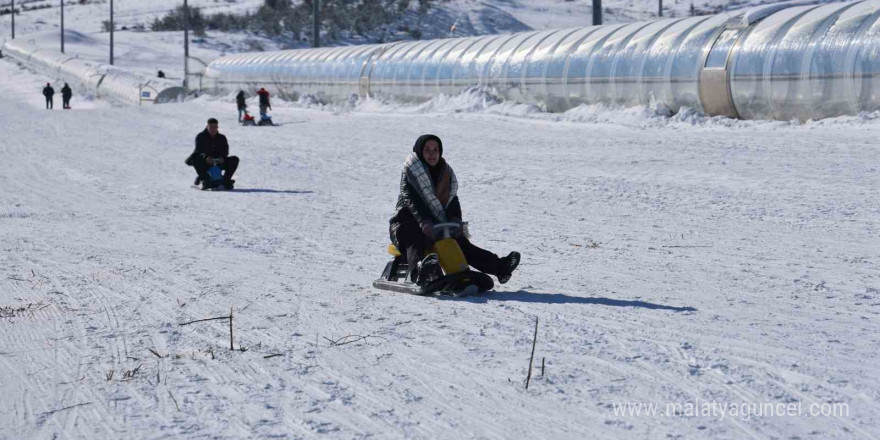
column 208, row 146
column 410, row 206
column 48, row 91
column 239, row 99
column 66, row 93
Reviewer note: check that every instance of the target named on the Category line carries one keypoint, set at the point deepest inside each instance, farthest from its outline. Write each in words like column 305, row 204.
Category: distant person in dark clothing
column 264, row 101
column 49, row 92
column 239, row 99
column 66, row 93
column 212, row 148
column 161, row 74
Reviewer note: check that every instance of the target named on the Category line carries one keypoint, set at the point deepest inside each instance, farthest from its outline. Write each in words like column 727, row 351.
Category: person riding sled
column 428, row 196
column 212, row 150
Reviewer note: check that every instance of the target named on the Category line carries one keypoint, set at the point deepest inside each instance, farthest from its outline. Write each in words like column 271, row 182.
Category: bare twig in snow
column 248, row 305
column 272, row 355
column 348, row 339
column 173, row 400
column 131, row 373
column 154, row 352
column 203, row 320
column 66, row 407
column 532, row 358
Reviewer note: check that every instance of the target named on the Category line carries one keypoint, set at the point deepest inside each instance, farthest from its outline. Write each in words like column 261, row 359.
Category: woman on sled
column 428, row 197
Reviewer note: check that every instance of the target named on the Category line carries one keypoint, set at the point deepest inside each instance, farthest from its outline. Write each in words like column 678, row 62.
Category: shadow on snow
column 559, row 298
column 268, row 191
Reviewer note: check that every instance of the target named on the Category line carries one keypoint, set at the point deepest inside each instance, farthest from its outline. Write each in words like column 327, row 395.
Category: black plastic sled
column 458, row 278
column 464, row 283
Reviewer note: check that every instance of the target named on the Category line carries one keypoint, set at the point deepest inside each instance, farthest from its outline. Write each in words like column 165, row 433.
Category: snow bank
column 480, row 100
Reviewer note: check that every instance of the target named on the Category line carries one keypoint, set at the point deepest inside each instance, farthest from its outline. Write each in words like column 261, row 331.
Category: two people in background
column 49, row 93
column 241, row 104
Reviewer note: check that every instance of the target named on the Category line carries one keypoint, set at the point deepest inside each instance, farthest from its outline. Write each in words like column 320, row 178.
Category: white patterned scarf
column 416, row 174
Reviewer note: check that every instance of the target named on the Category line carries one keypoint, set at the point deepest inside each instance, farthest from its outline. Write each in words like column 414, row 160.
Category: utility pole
column 111, row 32
column 62, row 26
column 597, row 12
column 316, row 33
column 13, row 19
column 185, row 45
column 660, row 8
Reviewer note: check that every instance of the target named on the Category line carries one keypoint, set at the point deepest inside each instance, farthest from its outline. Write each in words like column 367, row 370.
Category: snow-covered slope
column 668, row 261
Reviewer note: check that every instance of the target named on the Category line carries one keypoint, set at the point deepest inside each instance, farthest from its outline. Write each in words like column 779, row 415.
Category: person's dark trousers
column 48, row 103
column 478, row 258
column 196, row 161
column 66, row 102
column 228, row 166
column 410, row 240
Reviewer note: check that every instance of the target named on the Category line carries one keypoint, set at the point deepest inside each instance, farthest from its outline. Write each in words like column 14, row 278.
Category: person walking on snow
column 428, row 195
column 242, row 106
column 211, row 146
column 264, row 101
column 49, row 92
column 66, row 93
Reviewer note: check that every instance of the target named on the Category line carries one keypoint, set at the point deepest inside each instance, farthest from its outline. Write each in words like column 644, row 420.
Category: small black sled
column 457, row 279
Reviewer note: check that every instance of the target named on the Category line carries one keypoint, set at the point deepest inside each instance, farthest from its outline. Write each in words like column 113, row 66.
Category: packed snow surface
column 679, row 260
